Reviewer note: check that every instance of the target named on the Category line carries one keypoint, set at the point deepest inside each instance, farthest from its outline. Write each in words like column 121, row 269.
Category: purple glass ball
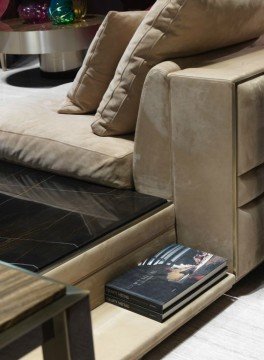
column 34, row 11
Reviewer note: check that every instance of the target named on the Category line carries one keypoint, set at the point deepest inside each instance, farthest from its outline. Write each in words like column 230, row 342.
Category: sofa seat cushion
column 34, row 134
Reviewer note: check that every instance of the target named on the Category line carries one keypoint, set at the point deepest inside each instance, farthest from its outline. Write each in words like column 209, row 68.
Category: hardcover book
column 161, row 316
column 163, row 279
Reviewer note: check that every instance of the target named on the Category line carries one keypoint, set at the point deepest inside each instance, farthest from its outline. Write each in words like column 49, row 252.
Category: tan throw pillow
column 171, row 29
column 101, row 61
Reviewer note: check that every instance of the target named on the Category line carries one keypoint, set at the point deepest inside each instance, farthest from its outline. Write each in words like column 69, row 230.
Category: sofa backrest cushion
column 172, row 28
column 101, row 61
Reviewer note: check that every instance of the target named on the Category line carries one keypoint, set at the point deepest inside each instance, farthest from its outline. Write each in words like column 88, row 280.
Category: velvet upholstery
column 188, row 144
column 152, row 160
column 101, row 60
column 172, row 28
column 65, row 144
column 210, row 117
column 250, row 235
column 250, row 124
column 250, row 185
column 155, row 120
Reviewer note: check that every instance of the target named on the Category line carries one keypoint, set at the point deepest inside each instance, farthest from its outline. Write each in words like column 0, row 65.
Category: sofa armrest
column 203, row 161
column 208, row 115
column 152, row 163
column 152, row 156
column 195, row 126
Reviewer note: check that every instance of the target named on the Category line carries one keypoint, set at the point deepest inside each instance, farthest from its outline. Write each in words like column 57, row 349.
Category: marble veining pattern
column 45, row 217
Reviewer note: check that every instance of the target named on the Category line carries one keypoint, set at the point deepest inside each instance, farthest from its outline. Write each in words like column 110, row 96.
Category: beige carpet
column 230, row 329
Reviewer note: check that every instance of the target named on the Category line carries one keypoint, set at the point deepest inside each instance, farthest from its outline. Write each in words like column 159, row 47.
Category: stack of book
column 164, row 283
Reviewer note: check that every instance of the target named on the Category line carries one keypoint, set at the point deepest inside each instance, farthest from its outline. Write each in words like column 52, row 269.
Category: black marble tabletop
column 45, row 217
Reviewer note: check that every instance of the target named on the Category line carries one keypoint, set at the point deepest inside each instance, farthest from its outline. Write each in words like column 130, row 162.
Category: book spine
column 134, row 308
column 133, row 299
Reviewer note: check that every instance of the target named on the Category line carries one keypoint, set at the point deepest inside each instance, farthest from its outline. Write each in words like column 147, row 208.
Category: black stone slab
column 30, row 254
column 45, row 217
column 16, row 179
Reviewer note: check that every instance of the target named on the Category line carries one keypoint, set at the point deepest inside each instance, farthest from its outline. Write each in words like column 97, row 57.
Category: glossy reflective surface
column 16, row 37
column 45, row 217
column 61, row 12
column 80, row 8
column 34, row 11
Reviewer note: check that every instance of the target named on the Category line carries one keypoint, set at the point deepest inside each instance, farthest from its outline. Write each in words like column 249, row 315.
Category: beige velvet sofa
column 198, row 142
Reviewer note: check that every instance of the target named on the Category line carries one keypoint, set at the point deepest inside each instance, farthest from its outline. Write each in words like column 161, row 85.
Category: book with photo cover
column 161, row 316
column 166, row 277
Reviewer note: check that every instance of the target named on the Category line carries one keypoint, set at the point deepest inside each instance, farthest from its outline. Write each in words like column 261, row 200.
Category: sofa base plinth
column 120, row 334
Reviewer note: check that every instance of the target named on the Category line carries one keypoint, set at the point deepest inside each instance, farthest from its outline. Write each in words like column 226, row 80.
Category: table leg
column 80, row 331
column 55, row 339
column 3, row 61
column 69, row 336
column 63, row 61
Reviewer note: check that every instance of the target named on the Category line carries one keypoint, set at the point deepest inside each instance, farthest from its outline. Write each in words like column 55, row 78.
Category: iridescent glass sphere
column 34, row 11
column 61, row 12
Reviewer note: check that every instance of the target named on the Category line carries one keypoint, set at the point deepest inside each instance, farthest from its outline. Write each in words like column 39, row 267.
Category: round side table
column 60, row 47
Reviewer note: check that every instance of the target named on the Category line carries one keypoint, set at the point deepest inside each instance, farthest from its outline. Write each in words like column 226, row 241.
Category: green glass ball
column 61, row 12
